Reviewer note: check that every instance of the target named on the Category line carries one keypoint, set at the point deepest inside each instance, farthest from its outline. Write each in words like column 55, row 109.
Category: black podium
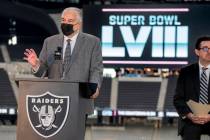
column 51, row 109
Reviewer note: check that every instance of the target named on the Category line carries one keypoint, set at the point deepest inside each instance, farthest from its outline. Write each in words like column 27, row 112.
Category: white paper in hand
column 198, row 108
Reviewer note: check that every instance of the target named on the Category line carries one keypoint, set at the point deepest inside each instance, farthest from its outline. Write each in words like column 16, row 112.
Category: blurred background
column 144, row 45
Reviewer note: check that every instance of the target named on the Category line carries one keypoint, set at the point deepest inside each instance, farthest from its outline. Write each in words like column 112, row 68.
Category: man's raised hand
column 31, row 57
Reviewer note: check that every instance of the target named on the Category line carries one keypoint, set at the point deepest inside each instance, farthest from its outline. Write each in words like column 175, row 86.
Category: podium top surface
column 44, row 80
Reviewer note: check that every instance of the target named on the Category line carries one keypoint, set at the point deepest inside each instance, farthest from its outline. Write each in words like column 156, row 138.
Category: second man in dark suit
column 193, row 84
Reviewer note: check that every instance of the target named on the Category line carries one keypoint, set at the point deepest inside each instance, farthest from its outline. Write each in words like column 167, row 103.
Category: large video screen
column 147, row 35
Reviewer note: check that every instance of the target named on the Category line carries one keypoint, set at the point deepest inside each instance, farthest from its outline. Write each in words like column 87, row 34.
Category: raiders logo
column 47, row 113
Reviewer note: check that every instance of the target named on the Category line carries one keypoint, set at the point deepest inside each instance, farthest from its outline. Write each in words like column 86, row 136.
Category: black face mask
column 67, row 29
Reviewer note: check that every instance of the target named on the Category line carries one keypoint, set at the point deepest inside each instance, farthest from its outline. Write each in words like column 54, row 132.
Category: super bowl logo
column 47, row 113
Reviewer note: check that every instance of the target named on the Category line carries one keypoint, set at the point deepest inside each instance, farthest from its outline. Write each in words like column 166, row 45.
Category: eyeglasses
column 205, row 49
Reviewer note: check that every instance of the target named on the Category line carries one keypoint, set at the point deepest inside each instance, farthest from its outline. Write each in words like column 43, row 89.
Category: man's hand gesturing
column 31, row 57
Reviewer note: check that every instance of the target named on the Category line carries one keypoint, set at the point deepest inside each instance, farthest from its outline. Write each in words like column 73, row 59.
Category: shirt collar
column 201, row 66
column 73, row 38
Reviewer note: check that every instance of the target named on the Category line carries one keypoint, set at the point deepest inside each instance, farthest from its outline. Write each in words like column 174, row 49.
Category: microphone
column 55, row 71
column 57, row 54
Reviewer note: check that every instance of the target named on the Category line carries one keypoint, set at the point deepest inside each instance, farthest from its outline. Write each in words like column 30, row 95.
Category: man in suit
column 193, row 84
column 81, row 56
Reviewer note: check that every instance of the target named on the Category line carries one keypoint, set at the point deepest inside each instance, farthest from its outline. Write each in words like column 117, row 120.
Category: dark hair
column 200, row 39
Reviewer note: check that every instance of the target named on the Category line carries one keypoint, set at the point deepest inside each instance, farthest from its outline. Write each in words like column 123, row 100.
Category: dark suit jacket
column 86, row 60
column 188, row 87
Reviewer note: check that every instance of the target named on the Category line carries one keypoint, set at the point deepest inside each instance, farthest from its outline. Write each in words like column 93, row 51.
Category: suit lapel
column 60, row 44
column 78, row 45
column 196, row 76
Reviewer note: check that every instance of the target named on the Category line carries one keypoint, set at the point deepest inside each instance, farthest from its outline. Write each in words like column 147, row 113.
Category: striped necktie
column 67, row 56
column 203, row 87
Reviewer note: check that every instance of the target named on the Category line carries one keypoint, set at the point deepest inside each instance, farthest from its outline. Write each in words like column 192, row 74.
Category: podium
column 51, row 110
